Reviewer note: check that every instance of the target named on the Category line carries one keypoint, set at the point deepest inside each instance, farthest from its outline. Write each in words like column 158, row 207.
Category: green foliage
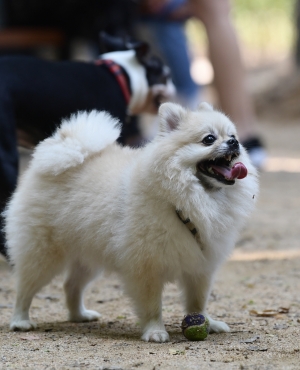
column 262, row 5
column 264, row 26
column 267, row 25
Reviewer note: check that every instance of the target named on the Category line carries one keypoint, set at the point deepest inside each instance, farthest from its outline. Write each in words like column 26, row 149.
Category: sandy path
column 263, row 274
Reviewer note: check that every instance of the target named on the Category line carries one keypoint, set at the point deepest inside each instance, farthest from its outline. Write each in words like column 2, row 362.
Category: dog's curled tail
column 79, row 137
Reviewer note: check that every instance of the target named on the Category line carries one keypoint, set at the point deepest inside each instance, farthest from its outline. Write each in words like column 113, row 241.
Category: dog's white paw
column 218, row 326
column 159, row 336
column 22, row 325
column 84, row 316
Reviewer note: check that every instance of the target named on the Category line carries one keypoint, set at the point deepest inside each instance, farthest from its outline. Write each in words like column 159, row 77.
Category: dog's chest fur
column 135, row 221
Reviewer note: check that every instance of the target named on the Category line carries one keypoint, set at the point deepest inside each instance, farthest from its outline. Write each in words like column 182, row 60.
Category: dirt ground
column 256, row 293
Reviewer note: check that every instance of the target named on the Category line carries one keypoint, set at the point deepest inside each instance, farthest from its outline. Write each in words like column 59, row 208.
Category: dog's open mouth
column 222, row 169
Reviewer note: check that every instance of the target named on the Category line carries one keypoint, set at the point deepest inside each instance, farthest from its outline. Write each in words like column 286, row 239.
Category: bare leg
column 76, row 282
column 227, row 64
column 197, row 290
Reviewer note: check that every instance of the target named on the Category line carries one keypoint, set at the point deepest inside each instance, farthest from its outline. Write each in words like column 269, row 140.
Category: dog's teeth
column 210, row 170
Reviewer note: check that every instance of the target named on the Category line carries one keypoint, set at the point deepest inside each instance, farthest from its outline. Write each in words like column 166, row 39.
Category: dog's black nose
column 233, row 143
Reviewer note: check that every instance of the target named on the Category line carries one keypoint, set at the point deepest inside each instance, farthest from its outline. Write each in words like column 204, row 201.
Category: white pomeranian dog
column 170, row 211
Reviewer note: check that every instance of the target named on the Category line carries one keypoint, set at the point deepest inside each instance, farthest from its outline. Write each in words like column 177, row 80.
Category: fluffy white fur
column 87, row 204
column 77, row 139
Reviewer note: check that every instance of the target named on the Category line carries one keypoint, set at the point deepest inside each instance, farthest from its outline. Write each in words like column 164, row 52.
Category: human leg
column 168, row 39
column 8, row 157
column 226, row 59
column 229, row 71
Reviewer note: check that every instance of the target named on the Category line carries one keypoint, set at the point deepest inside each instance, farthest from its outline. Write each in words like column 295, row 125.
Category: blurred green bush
column 265, row 27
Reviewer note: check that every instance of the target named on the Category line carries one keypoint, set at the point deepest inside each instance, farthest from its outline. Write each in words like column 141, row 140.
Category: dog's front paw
column 22, row 325
column 84, row 316
column 218, row 326
column 159, row 336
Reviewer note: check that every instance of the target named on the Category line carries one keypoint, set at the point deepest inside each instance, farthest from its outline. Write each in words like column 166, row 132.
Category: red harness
column 117, row 71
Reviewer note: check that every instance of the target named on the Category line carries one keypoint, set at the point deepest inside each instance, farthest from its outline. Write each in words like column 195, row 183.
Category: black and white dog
column 36, row 94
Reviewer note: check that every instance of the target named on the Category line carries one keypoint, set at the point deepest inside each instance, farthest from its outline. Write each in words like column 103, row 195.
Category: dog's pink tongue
column 238, row 171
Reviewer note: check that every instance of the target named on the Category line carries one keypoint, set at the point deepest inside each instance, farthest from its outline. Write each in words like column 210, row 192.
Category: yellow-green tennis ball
column 195, row 326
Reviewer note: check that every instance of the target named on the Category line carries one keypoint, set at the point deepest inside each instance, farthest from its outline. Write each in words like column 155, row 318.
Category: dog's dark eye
column 209, row 140
column 233, row 136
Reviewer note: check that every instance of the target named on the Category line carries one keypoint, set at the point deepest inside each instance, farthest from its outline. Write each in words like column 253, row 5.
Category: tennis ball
column 195, row 326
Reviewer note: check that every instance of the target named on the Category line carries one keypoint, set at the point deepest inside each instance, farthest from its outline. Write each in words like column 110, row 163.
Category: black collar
column 190, row 226
column 187, row 222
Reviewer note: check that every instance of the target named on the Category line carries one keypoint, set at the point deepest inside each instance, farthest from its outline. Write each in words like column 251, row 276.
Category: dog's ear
column 141, row 50
column 205, row 106
column 109, row 43
column 170, row 115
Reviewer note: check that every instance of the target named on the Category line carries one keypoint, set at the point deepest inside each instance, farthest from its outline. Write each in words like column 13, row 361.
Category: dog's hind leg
column 75, row 284
column 32, row 275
